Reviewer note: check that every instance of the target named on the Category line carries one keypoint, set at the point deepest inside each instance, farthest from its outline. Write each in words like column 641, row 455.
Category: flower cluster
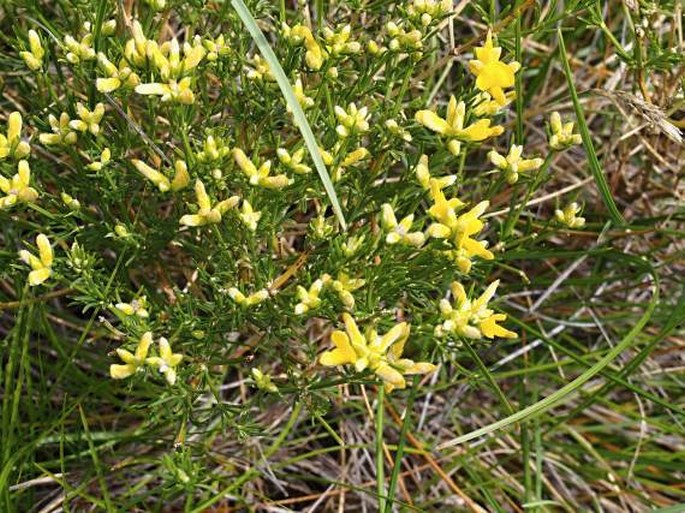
column 471, row 318
column 343, row 286
column 514, row 163
column 381, row 354
column 568, row 216
column 166, row 361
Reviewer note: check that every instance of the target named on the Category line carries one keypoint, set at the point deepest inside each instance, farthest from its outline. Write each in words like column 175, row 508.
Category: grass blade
column 287, row 90
column 595, row 167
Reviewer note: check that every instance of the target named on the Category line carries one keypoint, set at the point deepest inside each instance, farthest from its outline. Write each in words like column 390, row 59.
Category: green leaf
column 287, row 90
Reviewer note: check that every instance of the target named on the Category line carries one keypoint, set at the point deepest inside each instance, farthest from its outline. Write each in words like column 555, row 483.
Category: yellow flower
column 426, row 180
column 34, row 57
column 304, row 100
column 156, row 177
column 399, row 233
column 132, row 362
column 485, row 106
column 493, row 75
column 166, row 362
column 352, row 120
column 351, row 159
column 12, row 145
column 253, row 299
column 299, row 34
column 472, row 319
column 569, row 216
column 207, row 214
column 179, row 92
column 216, row 47
column 403, row 40
column 344, row 286
column 352, row 245
column 70, row 201
column 18, row 189
column 397, row 130
column 249, row 216
column 167, row 58
column 562, row 134
column 180, row 180
column 263, row 381
column 260, row 176
column 294, row 161
column 513, row 163
column 123, row 76
column 105, row 157
column 213, row 149
column 338, row 41
column 41, row 264
column 135, row 50
column 137, row 307
column 78, row 51
column 62, row 133
column 380, row 354
column 452, row 127
column 90, row 120
column 458, row 229
column 309, row 299
column 428, row 10
column 261, row 70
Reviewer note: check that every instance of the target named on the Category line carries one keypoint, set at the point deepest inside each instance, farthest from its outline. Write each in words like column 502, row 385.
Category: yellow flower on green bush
column 380, row 353
column 207, row 214
column 568, row 216
column 166, row 362
column 514, row 163
column 400, row 232
column 123, row 76
column 493, row 75
column 260, row 177
column 12, row 145
column 249, row 216
column 41, row 265
column 250, row 300
column 472, row 319
column 18, row 189
column 62, row 133
column 89, row 119
column 34, row 56
column 133, row 362
column 562, row 133
column 452, row 126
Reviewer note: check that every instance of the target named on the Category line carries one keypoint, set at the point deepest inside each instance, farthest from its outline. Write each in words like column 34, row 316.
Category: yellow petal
column 144, row 346
column 39, row 276
column 107, row 85
column 181, row 178
column 193, row 220
column 153, row 88
column 14, row 127
column 391, row 376
column 44, row 250
column 491, row 329
column 431, row 120
column 202, row 198
column 121, row 371
column 343, row 352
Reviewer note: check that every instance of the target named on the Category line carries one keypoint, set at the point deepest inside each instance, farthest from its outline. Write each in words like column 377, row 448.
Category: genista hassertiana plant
column 156, row 180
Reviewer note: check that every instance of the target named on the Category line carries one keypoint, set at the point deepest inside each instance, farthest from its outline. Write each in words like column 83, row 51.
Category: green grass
column 583, row 411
